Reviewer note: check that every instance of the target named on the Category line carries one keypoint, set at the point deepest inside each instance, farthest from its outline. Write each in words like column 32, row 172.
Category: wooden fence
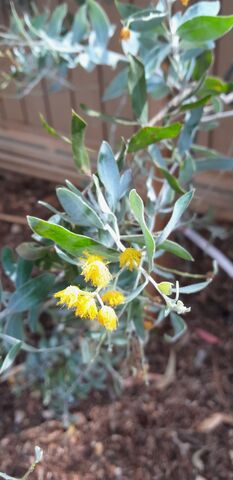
column 25, row 148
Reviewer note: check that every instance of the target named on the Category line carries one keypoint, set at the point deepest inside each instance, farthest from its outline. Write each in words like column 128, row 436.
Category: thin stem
column 217, row 116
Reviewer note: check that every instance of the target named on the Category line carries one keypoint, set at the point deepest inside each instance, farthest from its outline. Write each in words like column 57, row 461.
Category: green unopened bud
column 165, row 288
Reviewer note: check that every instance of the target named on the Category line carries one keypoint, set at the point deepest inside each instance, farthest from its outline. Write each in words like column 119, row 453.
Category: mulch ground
column 181, row 432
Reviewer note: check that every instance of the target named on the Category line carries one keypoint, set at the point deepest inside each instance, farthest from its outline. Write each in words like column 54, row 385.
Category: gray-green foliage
column 166, row 56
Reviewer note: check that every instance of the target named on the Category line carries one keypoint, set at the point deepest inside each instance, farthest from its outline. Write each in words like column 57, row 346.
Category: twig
column 210, row 250
column 217, row 116
column 13, row 218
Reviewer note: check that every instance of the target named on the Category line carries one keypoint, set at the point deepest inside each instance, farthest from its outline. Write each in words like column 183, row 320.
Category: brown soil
column 182, row 432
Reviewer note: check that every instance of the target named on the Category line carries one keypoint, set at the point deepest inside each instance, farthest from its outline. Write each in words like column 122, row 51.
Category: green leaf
column 176, row 249
column 15, row 326
column 52, row 130
column 9, row 359
column 30, row 294
column 179, row 327
column 8, row 263
column 204, row 28
column 217, row 163
column 24, row 270
column 137, row 89
column 172, row 181
column 149, row 135
column 108, row 173
column 179, row 208
column 70, row 242
column 137, row 207
column 215, row 86
column 31, row 251
column 80, row 153
column 197, row 104
column 78, row 210
column 99, row 22
column 106, row 117
column 203, row 64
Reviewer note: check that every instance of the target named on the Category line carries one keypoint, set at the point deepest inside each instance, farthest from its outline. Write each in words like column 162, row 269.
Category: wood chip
column 213, row 421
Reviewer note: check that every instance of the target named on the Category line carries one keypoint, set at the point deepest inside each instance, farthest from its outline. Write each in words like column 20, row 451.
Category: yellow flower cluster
column 95, row 270
column 130, row 258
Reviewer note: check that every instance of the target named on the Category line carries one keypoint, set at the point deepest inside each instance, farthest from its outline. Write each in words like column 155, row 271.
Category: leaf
column 31, row 251
column 197, row 104
column 215, row 86
column 78, row 210
column 189, row 129
column 176, row 249
column 106, row 117
column 55, row 24
column 179, row 327
column 172, row 181
column 118, row 86
column 137, row 89
column 149, row 135
column 125, row 181
column 80, row 153
column 9, row 359
column 204, row 28
column 210, row 8
column 203, row 64
column 29, row 348
column 145, row 19
column 196, row 287
column 70, row 242
column 137, row 207
column 8, row 263
column 15, row 325
column 179, row 208
column 23, row 272
column 108, row 173
column 217, row 163
column 99, row 22
column 80, row 24
column 30, row 294
column 38, row 454
column 135, row 293
column 125, row 9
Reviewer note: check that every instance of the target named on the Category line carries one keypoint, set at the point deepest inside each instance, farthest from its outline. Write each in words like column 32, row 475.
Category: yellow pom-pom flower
column 96, row 271
column 113, row 298
column 185, row 2
column 130, row 258
column 86, row 306
column 107, row 317
column 68, row 296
